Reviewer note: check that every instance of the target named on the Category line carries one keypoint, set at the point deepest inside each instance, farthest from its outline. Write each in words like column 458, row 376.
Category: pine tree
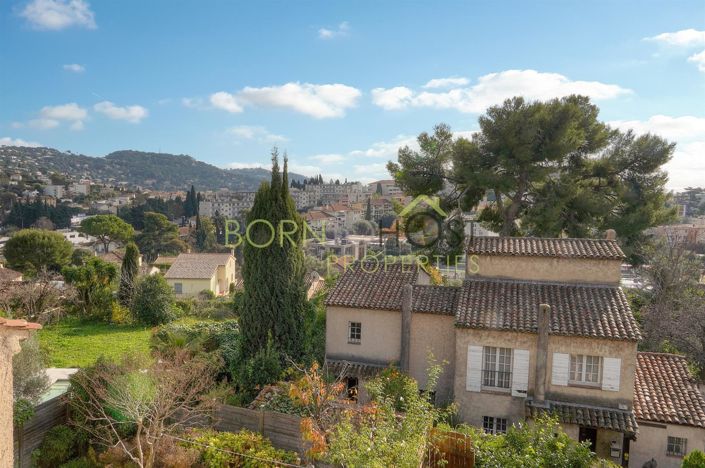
column 128, row 274
column 274, row 302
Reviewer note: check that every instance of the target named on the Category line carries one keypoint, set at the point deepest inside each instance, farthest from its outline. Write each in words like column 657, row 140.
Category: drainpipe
column 406, row 302
column 543, row 321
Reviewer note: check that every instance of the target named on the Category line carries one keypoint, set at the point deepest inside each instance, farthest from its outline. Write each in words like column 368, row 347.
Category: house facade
column 192, row 273
column 538, row 326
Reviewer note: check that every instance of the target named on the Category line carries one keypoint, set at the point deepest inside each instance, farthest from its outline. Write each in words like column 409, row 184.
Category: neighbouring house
column 538, row 326
column 192, row 273
column 163, row 262
column 11, row 333
column 670, row 410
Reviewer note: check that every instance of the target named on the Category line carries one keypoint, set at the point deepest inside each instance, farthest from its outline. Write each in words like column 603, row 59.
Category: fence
column 282, row 429
column 28, row 438
column 449, row 450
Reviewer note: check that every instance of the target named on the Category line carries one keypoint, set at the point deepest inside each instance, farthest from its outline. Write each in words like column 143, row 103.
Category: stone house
column 538, row 326
column 192, row 273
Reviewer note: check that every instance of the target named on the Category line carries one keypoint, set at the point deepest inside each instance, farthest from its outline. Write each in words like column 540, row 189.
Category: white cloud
column 683, row 38
column 685, row 128
column 132, row 114
column 387, row 149
column 59, row 14
column 7, row 141
column 250, row 132
column 699, row 60
column 225, row 101
column 446, row 82
column 342, row 30
column 328, row 158
column 318, row 101
column 374, row 168
column 688, row 163
column 239, row 165
column 494, row 88
column 74, row 68
column 53, row 116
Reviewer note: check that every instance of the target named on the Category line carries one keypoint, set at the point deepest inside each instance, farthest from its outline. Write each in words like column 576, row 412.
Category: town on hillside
column 232, row 237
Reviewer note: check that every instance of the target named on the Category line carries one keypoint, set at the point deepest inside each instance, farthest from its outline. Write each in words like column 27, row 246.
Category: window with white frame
column 492, row 425
column 585, row 370
column 676, row 446
column 354, row 332
column 496, row 367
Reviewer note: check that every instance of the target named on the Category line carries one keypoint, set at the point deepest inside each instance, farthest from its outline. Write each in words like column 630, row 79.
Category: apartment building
column 228, row 204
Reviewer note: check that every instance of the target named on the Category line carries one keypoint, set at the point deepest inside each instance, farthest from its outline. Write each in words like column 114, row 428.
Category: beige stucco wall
column 652, row 439
column 547, row 269
column 191, row 287
column 9, row 346
column 381, row 342
column 474, row 405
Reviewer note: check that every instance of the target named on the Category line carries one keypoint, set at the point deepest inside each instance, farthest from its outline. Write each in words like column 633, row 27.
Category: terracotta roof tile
column 588, row 416
column 435, row 299
column 665, row 391
column 19, row 324
column 576, row 310
column 341, row 368
column 545, row 247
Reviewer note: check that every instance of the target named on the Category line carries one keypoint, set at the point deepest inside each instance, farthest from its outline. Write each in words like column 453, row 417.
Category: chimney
column 543, row 321
column 406, row 303
column 611, row 234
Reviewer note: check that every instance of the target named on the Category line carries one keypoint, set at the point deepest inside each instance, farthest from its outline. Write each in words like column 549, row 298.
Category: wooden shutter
column 611, row 372
column 560, row 369
column 520, row 372
column 473, row 381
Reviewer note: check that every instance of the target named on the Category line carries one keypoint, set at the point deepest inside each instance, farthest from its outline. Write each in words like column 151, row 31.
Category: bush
column 59, row 445
column 153, row 303
column 119, row 313
column 29, row 376
column 262, row 369
column 695, row 459
column 245, row 442
column 23, row 411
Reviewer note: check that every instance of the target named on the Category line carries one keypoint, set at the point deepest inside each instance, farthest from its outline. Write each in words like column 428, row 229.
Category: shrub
column 59, row 446
column 23, row 411
column 119, row 313
column 261, row 369
column 153, row 302
column 695, row 459
column 245, row 442
column 29, row 376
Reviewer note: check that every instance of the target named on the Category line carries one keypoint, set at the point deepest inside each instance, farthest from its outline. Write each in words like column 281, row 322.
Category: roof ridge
column 539, row 282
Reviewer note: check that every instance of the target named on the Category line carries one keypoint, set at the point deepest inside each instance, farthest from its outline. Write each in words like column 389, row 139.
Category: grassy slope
column 73, row 343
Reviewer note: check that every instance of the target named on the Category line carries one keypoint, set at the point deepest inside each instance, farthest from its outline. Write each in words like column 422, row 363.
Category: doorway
column 589, row 434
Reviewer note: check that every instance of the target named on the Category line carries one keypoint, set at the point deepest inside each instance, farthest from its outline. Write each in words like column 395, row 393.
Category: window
column 676, row 446
column 585, row 370
column 178, row 288
column 493, row 425
column 354, row 332
column 496, row 367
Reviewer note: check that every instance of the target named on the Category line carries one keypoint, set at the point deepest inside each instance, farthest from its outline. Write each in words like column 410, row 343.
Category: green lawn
column 73, row 343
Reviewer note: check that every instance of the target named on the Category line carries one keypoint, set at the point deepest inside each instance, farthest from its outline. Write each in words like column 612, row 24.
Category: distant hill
column 156, row 171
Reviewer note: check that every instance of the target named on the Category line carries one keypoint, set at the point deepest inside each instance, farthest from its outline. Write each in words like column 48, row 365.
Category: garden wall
column 47, row 415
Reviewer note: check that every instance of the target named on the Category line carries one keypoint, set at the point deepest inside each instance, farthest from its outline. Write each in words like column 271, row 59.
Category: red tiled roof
column 196, row 265
column 665, row 391
column 576, row 310
column 604, row 249
column 19, row 324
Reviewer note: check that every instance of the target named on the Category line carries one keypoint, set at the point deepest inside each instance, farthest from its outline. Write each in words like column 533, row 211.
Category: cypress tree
column 128, row 274
column 368, row 211
column 274, row 301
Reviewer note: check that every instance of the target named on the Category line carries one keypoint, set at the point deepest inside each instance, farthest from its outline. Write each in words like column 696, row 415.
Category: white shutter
column 560, row 369
column 611, row 371
column 520, row 372
column 473, row 381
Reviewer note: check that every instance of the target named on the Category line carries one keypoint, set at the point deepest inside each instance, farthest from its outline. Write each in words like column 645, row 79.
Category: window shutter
column 520, row 372
column 611, row 372
column 473, row 381
column 560, row 369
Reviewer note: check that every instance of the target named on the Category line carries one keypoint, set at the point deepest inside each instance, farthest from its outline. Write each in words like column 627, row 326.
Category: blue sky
column 339, row 86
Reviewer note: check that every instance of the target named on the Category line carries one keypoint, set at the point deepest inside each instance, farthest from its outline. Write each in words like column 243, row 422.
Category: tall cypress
column 128, row 274
column 274, row 301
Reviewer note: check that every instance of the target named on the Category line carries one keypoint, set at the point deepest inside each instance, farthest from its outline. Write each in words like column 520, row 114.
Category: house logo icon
column 433, row 202
column 423, row 228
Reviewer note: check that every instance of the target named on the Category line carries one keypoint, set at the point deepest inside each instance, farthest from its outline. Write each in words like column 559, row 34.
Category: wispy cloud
column 493, row 89
column 7, row 141
column 342, row 30
column 683, row 38
column 74, row 68
column 254, row 132
column 328, row 158
column 225, row 101
column 450, row 82
column 699, row 60
column 59, row 14
column 132, row 114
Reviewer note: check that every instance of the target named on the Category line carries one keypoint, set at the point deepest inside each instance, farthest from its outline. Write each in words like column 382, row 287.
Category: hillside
column 157, row 171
